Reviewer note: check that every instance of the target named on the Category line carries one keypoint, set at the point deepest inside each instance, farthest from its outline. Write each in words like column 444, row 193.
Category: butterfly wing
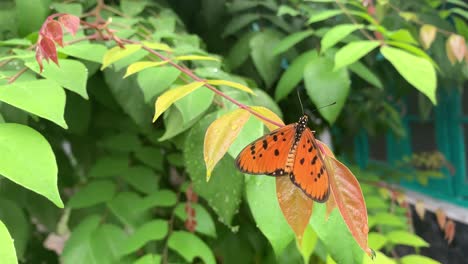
column 309, row 172
column 268, row 154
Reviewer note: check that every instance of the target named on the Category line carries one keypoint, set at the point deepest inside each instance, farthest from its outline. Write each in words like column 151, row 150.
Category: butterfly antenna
column 300, row 101
column 323, row 106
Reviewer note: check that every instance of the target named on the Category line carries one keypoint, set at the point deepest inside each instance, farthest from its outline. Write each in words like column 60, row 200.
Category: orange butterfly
column 290, row 150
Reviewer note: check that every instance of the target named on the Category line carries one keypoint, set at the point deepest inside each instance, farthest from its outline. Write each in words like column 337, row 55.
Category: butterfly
column 289, row 151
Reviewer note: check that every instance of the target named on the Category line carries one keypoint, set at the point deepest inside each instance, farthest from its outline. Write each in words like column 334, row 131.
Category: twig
column 343, row 8
column 17, row 75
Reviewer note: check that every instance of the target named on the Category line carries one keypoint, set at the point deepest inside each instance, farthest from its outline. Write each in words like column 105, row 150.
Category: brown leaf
column 441, row 218
column 331, row 205
column 53, row 30
column 349, row 199
column 450, row 231
column 295, row 205
column 70, row 22
column 420, row 209
column 455, row 48
column 427, row 34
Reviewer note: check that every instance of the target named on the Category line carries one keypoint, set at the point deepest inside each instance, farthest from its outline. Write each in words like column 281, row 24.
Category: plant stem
column 343, row 8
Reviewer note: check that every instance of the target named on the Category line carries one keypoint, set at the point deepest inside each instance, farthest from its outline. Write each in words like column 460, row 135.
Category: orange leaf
column 427, row 34
column 455, row 48
column 441, row 218
column 220, row 135
column 420, row 209
column 449, row 231
column 268, row 114
column 295, row 205
column 349, row 199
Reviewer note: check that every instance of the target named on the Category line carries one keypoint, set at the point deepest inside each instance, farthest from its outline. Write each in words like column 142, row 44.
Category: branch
column 17, row 75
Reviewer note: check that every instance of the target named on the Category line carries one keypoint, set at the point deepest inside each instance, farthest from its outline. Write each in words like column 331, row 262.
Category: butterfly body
column 290, row 150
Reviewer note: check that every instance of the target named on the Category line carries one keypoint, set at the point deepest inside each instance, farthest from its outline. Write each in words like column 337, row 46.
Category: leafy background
column 89, row 179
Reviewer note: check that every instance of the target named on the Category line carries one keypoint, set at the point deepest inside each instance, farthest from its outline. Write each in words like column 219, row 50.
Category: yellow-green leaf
column 157, row 46
column 220, row 135
column 268, row 114
column 168, row 98
column 231, row 84
column 427, row 35
column 418, row 71
column 118, row 53
column 195, row 57
column 141, row 65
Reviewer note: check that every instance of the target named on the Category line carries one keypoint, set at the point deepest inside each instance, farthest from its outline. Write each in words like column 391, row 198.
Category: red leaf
column 450, row 231
column 70, row 22
column 53, row 30
column 331, row 205
column 48, row 49
column 295, row 205
column 349, row 199
column 39, row 57
column 347, row 196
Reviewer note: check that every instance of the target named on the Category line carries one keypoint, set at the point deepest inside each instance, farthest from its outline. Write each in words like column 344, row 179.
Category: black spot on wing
column 302, row 161
column 314, row 160
column 275, row 138
column 276, row 152
column 265, row 144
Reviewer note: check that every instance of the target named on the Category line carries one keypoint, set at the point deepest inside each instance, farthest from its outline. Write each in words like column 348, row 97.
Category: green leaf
column 161, row 198
column 129, row 96
column 353, row 52
column 365, row 73
column 30, row 14
column 377, row 241
column 179, row 240
column 238, row 22
column 71, row 8
column 325, row 85
column 33, row 167
column 142, row 179
column 40, row 97
column 411, row 259
column 205, row 224
column 154, row 81
column 7, row 251
column 406, row 238
column 151, row 156
column 127, row 207
column 323, row 15
column 16, row 42
column 168, row 98
column 403, row 35
column 337, row 34
column 287, row 10
column 194, row 104
column 309, row 241
column 174, row 124
column 291, row 40
column 334, row 233
column 224, row 191
column 117, row 53
column 95, row 192
column 142, row 65
column 150, row 231
column 266, row 63
column 91, row 243
column 263, row 204
column 86, row 51
column 133, row 7
column 122, row 142
column 240, row 51
column 386, row 219
column 108, row 166
column 293, row 74
column 71, row 74
column 18, row 224
column 417, row 71
column 149, row 259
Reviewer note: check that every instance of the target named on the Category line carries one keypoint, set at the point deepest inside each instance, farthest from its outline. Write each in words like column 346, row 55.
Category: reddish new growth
column 51, row 33
column 192, row 197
